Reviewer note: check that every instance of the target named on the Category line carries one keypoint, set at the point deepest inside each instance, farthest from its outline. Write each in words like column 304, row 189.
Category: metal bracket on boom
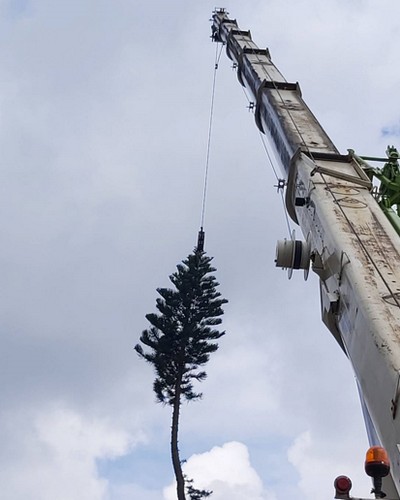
column 361, row 179
column 272, row 85
column 395, row 400
column 281, row 184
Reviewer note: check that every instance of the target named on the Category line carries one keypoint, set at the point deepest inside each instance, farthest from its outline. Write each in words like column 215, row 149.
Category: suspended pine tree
column 180, row 340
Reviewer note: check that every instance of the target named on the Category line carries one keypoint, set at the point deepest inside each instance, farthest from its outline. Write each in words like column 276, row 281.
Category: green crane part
column 388, row 193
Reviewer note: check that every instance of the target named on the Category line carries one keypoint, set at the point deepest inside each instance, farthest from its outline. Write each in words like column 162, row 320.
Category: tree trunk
column 176, row 462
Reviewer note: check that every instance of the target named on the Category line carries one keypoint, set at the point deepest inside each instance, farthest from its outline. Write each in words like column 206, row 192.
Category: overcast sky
column 104, row 118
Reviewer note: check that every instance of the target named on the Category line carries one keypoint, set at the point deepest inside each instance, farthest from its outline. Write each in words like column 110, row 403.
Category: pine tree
column 180, row 340
column 194, row 493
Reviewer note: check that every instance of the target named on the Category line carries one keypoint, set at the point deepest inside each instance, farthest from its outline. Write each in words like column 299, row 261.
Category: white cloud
column 227, row 471
column 56, row 453
column 132, row 492
column 320, row 461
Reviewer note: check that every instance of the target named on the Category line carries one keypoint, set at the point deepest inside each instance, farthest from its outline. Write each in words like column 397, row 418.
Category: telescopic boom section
column 280, row 109
column 350, row 243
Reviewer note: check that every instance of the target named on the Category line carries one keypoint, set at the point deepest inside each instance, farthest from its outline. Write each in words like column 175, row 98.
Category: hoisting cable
column 201, row 234
column 280, row 182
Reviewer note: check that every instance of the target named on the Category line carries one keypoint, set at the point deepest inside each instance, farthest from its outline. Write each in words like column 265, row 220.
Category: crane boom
column 350, row 242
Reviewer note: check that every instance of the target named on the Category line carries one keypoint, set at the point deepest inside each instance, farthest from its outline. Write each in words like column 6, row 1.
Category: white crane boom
column 350, row 242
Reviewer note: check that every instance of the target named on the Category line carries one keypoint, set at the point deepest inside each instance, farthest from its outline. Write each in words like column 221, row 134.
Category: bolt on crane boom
column 351, row 241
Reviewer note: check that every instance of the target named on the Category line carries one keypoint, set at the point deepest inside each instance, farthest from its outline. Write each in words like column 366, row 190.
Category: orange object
column 377, row 462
